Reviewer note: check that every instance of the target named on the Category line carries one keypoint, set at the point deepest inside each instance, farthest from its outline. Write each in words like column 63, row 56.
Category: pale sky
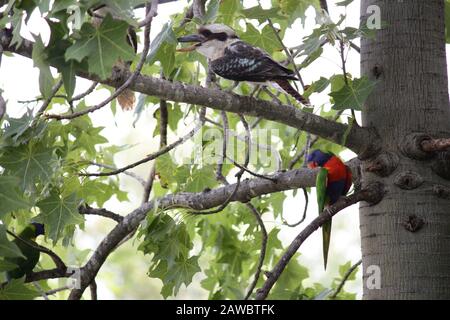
column 19, row 81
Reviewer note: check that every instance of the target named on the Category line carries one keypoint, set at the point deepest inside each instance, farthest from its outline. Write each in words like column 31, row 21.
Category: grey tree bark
column 407, row 235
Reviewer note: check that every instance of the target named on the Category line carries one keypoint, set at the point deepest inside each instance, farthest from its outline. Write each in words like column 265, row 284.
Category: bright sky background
column 19, row 80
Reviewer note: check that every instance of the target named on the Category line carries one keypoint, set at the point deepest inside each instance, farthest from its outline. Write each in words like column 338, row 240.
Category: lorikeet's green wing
column 321, row 192
column 25, row 266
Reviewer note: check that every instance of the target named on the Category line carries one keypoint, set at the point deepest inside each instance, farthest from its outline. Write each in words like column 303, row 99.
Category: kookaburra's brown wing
column 244, row 62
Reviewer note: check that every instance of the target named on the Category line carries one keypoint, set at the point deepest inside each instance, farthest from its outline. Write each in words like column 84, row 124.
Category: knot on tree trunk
column 383, row 164
column 441, row 191
column 413, row 223
column 411, row 146
column 408, row 180
column 373, row 193
column 441, row 165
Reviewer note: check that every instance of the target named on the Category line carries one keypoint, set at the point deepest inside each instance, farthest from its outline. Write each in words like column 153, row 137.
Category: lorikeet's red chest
column 339, row 178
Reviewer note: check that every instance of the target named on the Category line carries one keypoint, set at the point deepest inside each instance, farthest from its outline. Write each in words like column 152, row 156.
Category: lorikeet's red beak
column 312, row 165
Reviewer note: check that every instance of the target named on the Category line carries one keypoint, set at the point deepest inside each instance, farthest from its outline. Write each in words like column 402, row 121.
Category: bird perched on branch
column 234, row 59
column 126, row 99
column 333, row 181
column 28, row 247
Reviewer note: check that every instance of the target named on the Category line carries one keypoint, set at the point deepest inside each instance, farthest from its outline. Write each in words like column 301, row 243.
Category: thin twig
column 238, row 175
column 54, row 291
column 163, row 122
column 46, row 102
column 128, row 173
column 41, row 291
column 151, row 156
column 345, row 278
column 153, row 12
column 344, row 70
column 299, row 155
column 87, row 210
column 219, row 169
column 274, row 180
column 305, row 209
column 262, row 254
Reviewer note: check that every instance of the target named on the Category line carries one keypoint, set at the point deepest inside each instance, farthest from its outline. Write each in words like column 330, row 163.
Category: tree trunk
column 408, row 59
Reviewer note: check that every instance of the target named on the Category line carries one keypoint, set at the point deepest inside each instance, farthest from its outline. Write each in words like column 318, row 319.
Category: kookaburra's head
column 210, row 40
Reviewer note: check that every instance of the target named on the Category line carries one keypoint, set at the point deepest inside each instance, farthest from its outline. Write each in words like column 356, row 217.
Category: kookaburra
column 234, row 59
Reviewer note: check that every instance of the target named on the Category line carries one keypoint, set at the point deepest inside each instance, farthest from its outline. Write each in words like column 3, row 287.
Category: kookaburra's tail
column 286, row 86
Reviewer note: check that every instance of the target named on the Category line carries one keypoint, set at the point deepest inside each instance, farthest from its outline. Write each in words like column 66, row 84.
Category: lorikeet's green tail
column 326, row 237
column 321, row 192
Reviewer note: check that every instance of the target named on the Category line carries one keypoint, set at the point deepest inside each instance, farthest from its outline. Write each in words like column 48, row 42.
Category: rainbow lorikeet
column 333, row 181
column 31, row 254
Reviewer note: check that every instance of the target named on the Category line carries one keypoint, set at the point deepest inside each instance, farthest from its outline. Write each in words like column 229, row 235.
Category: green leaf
column 165, row 169
column 57, row 212
column 40, row 61
column 16, row 289
column 103, row 46
column 7, row 266
column 31, row 163
column 162, row 49
column 228, row 10
column 200, row 179
column 295, row 9
column 8, row 248
column 55, row 51
column 344, row 3
column 266, row 39
column 17, row 126
column 170, row 244
column 317, row 86
column 212, row 10
column 260, row 14
column 353, row 95
column 11, row 198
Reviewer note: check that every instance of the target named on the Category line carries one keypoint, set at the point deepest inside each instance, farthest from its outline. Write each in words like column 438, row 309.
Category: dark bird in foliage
column 234, row 59
column 28, row 247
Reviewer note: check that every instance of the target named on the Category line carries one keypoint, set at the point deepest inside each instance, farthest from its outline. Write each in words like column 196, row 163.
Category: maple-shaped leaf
column 16, row 289
column 102, row 46
column 7, row 266
column 8, row 248
column 57, row 212
column 266, row 39
column 30, row 162
column 353, row 95
column 11, row 198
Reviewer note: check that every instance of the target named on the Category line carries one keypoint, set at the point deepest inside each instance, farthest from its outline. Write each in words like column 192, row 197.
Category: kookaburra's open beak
column 198, row 38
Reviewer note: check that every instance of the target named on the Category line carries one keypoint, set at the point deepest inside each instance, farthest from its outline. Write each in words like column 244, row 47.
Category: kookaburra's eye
column 221, row 36
column 205, row 32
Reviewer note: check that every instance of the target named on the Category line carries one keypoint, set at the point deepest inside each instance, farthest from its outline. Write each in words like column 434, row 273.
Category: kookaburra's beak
column 198, row 38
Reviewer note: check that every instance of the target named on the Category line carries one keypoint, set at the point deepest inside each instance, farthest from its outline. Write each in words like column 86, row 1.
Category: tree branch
column 433, row 145
column 87, row 210
column 363, row 141
column 372, row 194
column 248, row 189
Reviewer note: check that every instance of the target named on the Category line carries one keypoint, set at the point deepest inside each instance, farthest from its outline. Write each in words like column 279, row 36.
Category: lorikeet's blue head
column 39, row 228
column 318, row 158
